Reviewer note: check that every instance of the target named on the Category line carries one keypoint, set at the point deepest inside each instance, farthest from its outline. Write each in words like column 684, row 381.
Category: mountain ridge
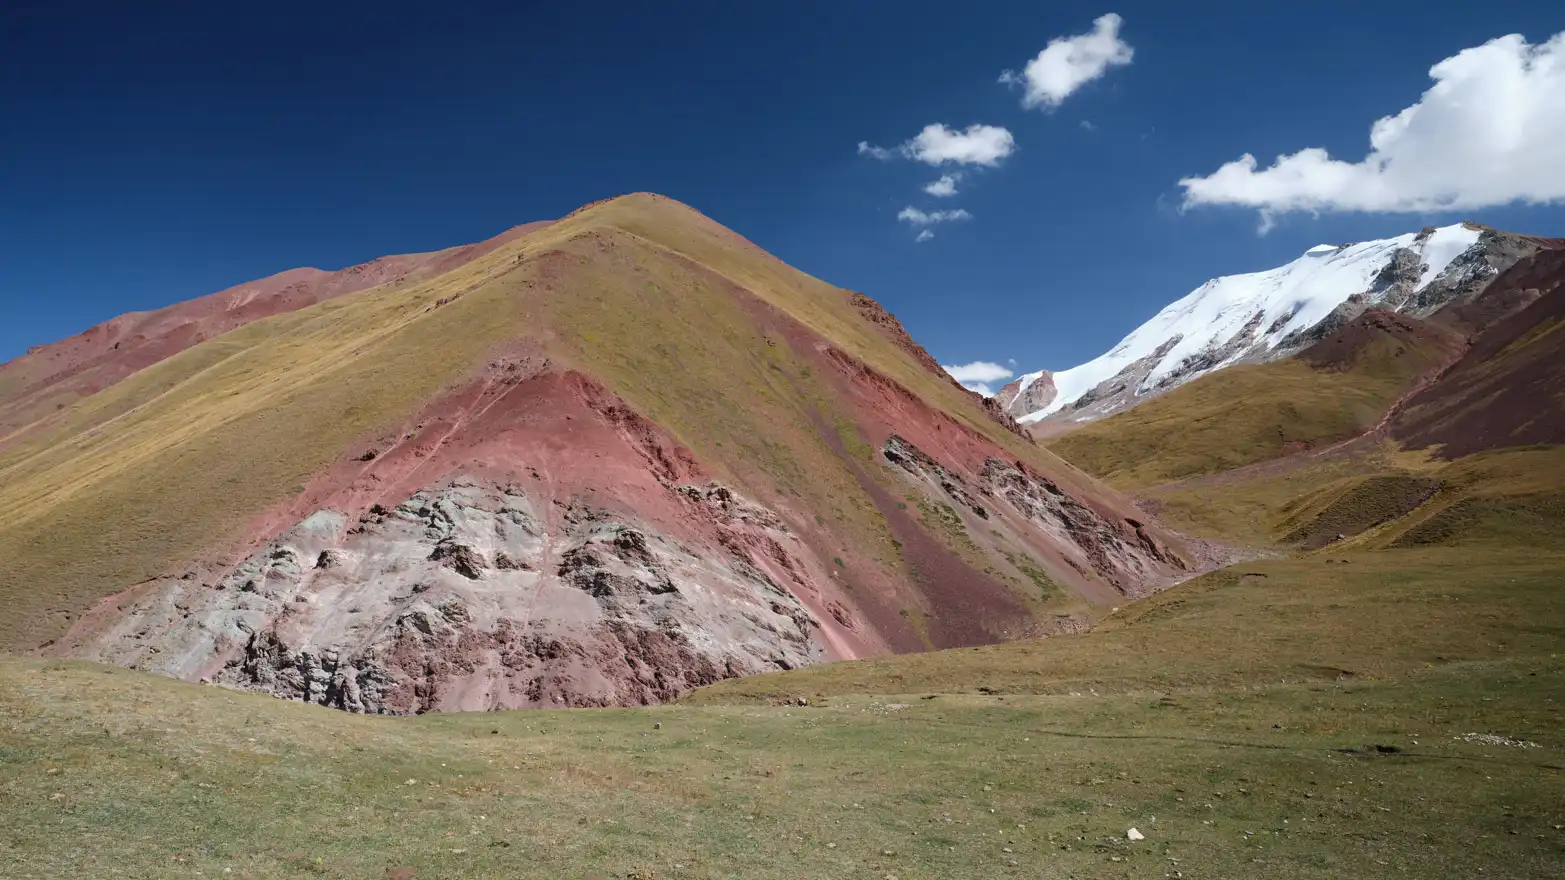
column 50, row 376
column 1270, row 314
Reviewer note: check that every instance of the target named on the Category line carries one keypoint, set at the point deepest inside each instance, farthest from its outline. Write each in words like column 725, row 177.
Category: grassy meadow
column 1284, row 719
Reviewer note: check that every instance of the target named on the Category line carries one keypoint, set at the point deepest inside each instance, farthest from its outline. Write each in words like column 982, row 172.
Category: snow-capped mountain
column 1265, row 315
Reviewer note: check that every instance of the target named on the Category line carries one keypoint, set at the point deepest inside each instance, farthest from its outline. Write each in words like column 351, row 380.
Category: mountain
column 596, row 461
column 1481, row 372
column 1508, row 389
column 1263, row 316
column 50, row 377
column 1392, row 432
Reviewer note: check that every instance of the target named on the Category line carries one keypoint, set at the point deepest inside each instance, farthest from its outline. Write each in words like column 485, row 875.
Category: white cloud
column 936, row 145
column 924, row 235
column 1087, row 124
column 926, row 218
column 945, row 186
column 978, row 375
column 1068, row 63
column 874, row 152
column 1491, row 130
column 978, row 145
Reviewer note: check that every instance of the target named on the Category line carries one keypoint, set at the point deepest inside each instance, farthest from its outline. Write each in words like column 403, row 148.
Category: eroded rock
column 466, row 596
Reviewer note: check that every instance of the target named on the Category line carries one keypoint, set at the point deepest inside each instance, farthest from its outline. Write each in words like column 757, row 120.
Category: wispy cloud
column 944, row 187
column 926, row 218
column 874, row 152
column 1068, row 63
column 924, row 235
column 1490, row 131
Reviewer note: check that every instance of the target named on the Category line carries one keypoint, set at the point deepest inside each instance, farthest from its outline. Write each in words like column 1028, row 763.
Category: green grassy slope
column 1254, row 412
column 1227, row 419
column 1504, row 497
column 1377, row 615
column 1320, row 737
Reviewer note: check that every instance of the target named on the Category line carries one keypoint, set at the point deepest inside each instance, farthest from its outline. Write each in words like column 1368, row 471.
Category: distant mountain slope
column 1391, row 432
column 1265, row 315
column 49, row 377
column 1333, row 391
column 613, row 458
column 1509, row 388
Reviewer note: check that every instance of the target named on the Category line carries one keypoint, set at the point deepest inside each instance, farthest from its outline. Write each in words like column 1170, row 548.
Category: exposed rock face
column 911, row 459
column 1470, row 273
column 1118, row 392
column 1036, row 395
column 466, row 596
column 1121, row 552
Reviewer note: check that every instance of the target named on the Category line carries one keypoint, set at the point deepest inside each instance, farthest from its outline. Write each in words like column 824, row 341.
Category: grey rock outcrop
column 468, row 596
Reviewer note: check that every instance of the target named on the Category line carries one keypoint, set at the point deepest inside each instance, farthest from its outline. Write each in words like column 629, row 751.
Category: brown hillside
column 1509, row 388
column 602, row 462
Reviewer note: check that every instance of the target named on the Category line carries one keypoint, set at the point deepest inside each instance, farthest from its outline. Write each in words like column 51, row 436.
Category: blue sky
column 154, row 156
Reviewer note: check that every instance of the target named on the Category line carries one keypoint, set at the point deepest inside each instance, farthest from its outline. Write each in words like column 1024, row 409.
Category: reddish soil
column 889, row 326
column 1515, row 289
column 562, row 437
column 1507, row 389
column 1350, row 343
column 52, row 376
column 963, row 601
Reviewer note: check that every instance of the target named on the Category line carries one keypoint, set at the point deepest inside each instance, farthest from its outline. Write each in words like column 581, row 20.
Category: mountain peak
column 529, row 471
column 1258, row 316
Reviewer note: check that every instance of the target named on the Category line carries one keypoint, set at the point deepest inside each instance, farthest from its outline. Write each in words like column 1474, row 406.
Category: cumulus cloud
column 924, row 235
column 928, row 218
column 945, row 186
column 978, row 145
column 979, row 375
column 938, row 144
column 1068, row 63
column 1491, row 130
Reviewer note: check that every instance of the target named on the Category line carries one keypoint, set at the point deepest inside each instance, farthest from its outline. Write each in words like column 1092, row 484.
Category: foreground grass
column 1386, row 615
column 113, row 773
column 1308, row 723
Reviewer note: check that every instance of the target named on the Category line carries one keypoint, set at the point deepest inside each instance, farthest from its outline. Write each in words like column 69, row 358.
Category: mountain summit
column 1262, row 316
column 596, row 461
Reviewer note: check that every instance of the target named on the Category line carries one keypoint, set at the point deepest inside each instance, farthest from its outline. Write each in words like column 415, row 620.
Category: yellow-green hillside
column 1379, row 498
column 1254, row 412
column 662, row 304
